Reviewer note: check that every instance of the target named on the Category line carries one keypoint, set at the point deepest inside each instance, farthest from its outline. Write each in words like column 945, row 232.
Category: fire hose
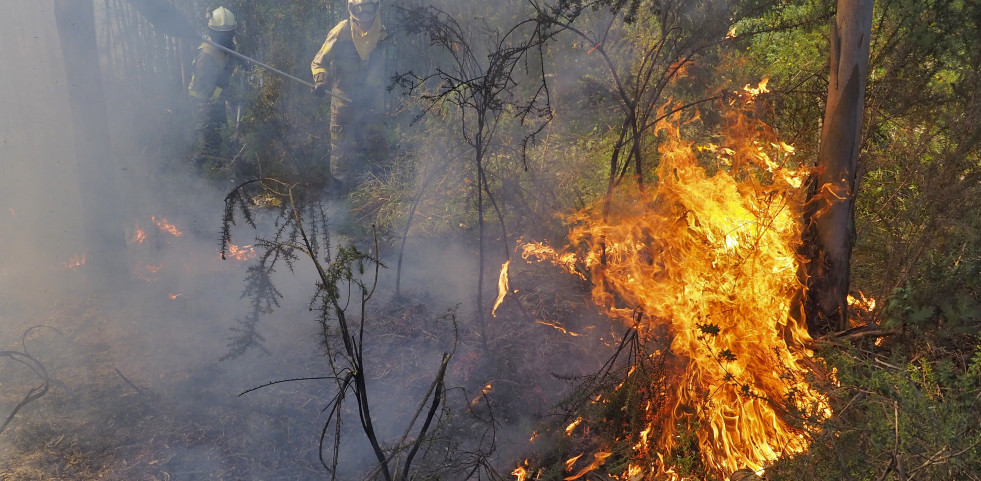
column 167, row 19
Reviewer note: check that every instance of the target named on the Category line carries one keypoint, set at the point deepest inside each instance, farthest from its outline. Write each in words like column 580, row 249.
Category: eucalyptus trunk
column 829, row 233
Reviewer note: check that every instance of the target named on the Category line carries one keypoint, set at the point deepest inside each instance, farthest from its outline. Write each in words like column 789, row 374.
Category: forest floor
column 137, row 391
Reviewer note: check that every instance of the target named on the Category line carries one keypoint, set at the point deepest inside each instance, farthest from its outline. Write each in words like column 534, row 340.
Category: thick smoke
column 131, row 338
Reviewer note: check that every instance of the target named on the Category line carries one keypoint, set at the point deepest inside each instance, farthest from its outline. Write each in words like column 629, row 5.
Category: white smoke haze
column 136, row 387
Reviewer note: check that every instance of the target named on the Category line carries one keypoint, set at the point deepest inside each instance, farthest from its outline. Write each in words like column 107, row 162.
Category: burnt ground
column 137, row 391
column 127, row 403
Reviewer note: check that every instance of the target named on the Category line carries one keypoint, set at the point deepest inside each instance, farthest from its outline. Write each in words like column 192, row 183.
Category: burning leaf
column 710, row 329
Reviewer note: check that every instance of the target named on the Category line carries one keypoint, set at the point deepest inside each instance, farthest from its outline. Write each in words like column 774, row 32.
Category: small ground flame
column 521, row 471
column 139, row 236
column 75, row 262
column 164, row 226
column 483, row 393
column 559, row 328
column 238, row 253
column 599, row 459
column 149, row 272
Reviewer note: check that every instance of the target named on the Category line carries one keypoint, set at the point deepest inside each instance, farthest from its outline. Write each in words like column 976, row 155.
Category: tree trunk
column 829, row 232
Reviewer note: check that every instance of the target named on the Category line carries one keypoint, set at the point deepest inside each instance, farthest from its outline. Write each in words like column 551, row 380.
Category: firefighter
column 210, row 73
column 351, row 64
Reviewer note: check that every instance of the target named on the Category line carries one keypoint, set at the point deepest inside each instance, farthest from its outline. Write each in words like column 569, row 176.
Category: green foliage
column 895, row 418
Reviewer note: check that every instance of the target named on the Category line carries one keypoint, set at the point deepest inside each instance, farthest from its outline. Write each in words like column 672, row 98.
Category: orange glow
column 139, row 236
column 168, row 228
column 75, row 262
column 711, row 256
column 483, row 393
column 149, row 272
column 173, row 297
column 242, row 253
column 559, row 328
column 502, row 287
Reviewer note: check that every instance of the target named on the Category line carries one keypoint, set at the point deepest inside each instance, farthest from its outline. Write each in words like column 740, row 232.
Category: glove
column 320, row 84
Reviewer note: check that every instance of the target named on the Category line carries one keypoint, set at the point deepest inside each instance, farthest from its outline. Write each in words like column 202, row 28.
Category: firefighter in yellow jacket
column 210, row 73
column 351, row 63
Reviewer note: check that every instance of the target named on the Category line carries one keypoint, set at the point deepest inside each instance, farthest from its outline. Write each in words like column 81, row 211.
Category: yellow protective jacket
column 209, row 73
column 348, row 75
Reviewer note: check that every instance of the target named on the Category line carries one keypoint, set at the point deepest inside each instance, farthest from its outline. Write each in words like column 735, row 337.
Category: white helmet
column 221, row 20
column 363, row 10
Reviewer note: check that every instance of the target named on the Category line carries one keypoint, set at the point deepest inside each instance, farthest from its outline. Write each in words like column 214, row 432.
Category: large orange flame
column 710, row 254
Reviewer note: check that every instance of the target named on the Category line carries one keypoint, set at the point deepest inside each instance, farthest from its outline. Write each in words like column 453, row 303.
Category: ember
column 75, row 262
column 139, row 235
column 149, row 272
column 238, row 253
column 166, row 227
column 559, row 328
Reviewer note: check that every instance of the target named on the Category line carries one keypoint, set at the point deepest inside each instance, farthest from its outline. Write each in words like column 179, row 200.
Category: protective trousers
column 357, row 142
column 211, row 120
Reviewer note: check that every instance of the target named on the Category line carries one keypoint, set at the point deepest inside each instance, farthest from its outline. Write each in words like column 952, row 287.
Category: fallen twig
column 134, row 386
column 35, row 392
